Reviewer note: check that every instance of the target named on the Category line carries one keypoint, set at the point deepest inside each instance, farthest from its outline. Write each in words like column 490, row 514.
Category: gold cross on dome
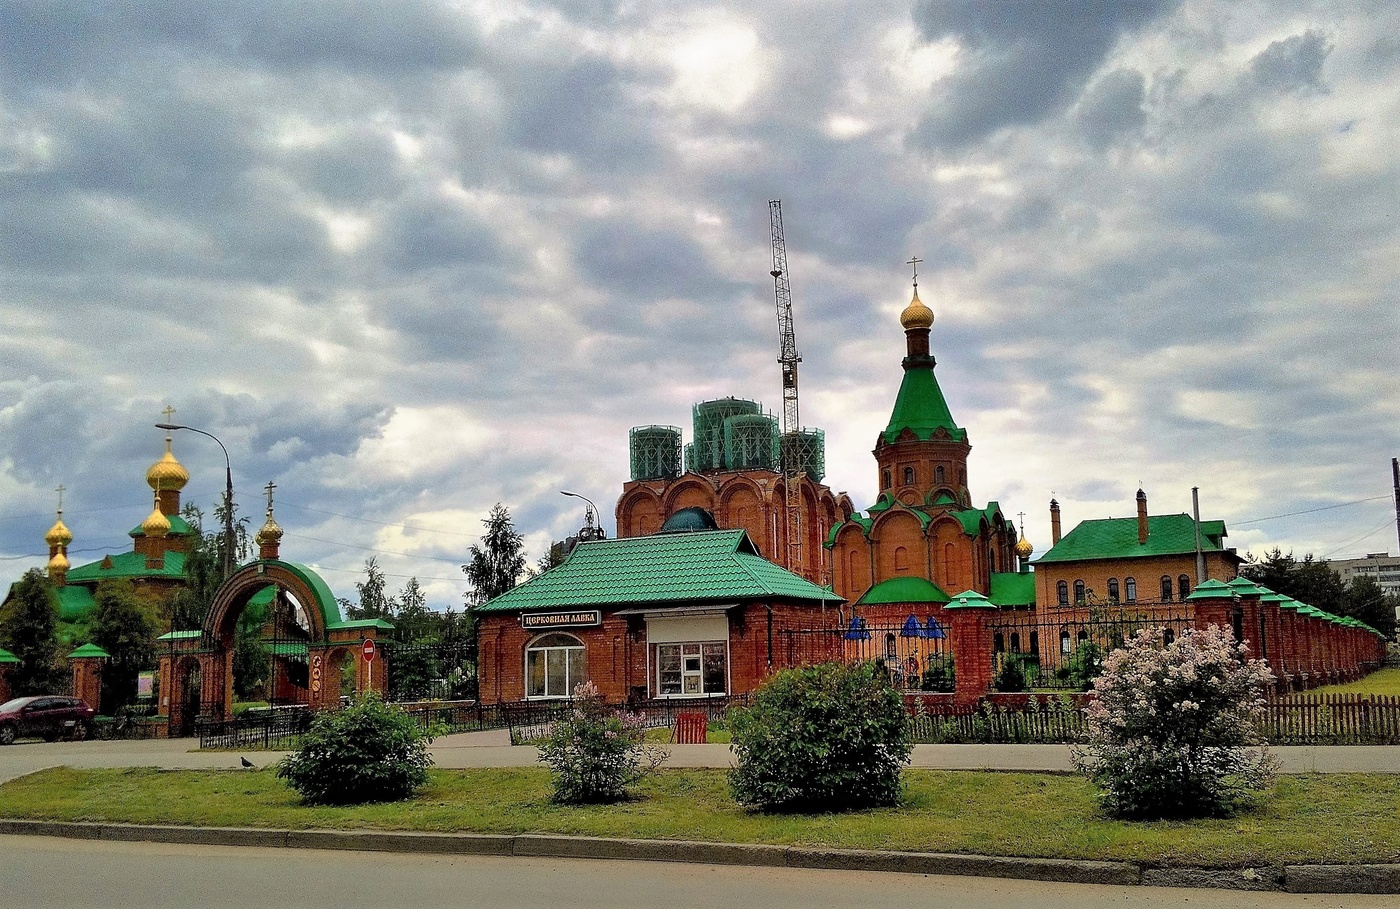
column 60, row 491
column 1022, row 516
column 168, row 412
column 269, row 487
column 915, row 262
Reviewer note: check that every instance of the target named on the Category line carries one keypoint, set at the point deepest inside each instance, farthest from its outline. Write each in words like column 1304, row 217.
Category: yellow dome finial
column 916, row 314
column 1023, row 545
column 271, row 531
column 167, row 473
column 59, row 534
column 156, row 525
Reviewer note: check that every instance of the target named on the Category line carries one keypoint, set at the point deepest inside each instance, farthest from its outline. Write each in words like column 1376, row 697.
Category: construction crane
column 788, row 358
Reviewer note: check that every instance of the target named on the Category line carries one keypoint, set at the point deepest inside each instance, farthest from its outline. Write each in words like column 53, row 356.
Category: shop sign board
column 579, row 619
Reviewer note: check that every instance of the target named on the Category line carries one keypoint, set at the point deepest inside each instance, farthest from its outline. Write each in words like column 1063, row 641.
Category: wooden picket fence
column 1332, row 719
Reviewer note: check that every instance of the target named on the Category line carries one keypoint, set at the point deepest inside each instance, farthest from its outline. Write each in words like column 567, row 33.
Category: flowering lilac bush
column 1170, row 730
column 595, row 752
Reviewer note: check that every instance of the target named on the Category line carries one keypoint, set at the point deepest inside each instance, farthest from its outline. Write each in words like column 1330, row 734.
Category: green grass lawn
column 1382, row 681
column 1318, row 818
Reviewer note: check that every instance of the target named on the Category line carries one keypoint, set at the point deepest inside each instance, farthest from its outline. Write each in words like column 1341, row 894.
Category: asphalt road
column 40, row 872
column 492, row 749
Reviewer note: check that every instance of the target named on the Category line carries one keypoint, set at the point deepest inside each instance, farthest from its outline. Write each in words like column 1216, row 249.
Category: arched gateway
column 301, row 628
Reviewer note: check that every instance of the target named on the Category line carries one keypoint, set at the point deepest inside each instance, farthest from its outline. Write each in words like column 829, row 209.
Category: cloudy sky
column 412, row 259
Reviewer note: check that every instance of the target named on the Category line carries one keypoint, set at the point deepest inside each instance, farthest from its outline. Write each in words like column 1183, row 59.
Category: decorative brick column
column 971, row 613
column 7, row 660
column 1212, row 603
column 1260, row 647
column 1280, row 656
column 86, row 663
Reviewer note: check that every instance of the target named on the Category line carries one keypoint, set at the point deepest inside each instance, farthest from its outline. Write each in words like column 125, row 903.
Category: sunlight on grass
column 1382, row 681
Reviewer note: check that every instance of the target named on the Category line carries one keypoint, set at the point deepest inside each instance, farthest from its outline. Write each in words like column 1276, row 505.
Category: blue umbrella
column 933, row 630
column 857, row 630
column 911, row 629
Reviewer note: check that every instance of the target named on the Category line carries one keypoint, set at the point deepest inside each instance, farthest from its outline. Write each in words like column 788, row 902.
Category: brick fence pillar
column 1212, row 603
column 86, row 663
column 971, row 633
column 1254, row 635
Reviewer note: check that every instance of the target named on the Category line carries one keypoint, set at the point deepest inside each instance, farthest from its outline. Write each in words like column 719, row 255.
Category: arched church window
column 901, row 559
column 1015, row 642
column 908, row 476
column 885, row 479
column 891, row 647
column 1035, row 642
column 1113, row 590
column 1130, row 589
column 1062, row 594
column 938, row 475
column 998, row 643
column 1166, row 589
column 1183, row 587
column 1079, row 593
column 1065, row 645
column 554, row 664
column 1168, row 636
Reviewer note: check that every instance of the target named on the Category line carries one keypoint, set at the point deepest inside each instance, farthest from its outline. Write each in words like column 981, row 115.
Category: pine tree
column 496, row 565
column 29, row 630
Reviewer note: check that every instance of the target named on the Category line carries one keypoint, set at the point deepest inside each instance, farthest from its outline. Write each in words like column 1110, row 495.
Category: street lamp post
column 228, row 493
column 593, row 534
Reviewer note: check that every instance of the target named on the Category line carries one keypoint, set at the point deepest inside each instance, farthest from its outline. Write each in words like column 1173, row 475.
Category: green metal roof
column 661, row 569
column 903, row 590
column 325, row 600
column 74, row 602
column 1013, row 588
column 381, row 624
column 1117, row 538
column 971, row 520
column 180, row 635
column 7, row 657
column 970, row 599
column 179, row 527
column 921, row 409
column 89, row 650
column 129, row 565
column 1211, row 589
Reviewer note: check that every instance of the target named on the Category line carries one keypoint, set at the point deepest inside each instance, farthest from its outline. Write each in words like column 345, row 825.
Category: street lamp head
column 169, row 426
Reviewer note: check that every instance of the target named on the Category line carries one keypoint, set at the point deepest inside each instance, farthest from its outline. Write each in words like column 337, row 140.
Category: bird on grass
column 245, row 762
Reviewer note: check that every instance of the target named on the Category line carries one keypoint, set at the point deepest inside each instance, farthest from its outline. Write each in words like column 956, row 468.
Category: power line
column 1274, row 517
column 1383, row 525
column 409, row 555
column 455, row 533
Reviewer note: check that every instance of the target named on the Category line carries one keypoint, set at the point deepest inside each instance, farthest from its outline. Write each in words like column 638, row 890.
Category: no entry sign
column 367, row 651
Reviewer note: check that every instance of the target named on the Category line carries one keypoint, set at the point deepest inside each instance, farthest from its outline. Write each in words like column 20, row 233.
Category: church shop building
column 677, row 614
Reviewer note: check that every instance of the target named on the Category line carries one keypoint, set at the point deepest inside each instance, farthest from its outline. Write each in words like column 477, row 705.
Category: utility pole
column 788, row 357
column 1395, row 472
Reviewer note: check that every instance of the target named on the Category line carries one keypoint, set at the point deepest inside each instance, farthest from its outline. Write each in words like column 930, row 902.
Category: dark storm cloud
column 1293, row 64
column 1024, row 61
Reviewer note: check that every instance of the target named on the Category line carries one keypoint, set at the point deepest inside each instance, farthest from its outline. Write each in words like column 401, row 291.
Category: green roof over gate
column 662, row 569
column 1117, row 538
column 921, row 408
column 903, row 590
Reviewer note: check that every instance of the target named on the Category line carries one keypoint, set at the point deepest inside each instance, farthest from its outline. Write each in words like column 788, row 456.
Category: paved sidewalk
column 492, row 749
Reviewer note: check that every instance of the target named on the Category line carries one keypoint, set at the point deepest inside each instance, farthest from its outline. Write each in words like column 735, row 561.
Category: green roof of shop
column 179, row 527
column 921, row 409
column 704, row 566
column 1117, row 538
column 903, row 590
column 1013, row 588
column 129, row 565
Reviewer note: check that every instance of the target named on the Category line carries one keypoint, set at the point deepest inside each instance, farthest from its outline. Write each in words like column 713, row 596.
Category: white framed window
column 554, row 664
column 692, row 669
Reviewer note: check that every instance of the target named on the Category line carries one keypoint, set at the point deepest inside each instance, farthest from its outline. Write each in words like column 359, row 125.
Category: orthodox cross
column 269, row 487
column 915, row 262
column 60, row 490
column 168, row 412
column 1022, row 516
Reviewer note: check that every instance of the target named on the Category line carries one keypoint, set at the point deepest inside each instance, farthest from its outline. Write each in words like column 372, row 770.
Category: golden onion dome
column 58, row 563
column 157, row 525
column 271, row 531
column 167, row 473
column 59, row 534
column 916, row 314
column 1024, row 548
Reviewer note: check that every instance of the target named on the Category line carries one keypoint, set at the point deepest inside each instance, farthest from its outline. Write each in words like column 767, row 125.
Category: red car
column 50, row 717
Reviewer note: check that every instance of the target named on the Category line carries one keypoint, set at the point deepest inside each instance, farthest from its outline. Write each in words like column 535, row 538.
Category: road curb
column 1376, row 879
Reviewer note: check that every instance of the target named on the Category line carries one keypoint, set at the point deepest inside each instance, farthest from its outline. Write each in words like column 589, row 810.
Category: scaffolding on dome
column 708, row 420
column 655, row 452
column 806, row 450
column 751, row 442
column 690, row 457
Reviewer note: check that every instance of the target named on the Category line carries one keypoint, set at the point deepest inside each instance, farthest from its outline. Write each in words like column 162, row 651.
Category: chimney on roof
column 1054, row 522
column 1142, row 517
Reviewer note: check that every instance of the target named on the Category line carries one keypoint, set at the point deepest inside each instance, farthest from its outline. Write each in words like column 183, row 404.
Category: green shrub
column 368, row 752
column 938, row 673
column 1011, row 675
column 821, row 738
column 1083, row 666
column 594, row 752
